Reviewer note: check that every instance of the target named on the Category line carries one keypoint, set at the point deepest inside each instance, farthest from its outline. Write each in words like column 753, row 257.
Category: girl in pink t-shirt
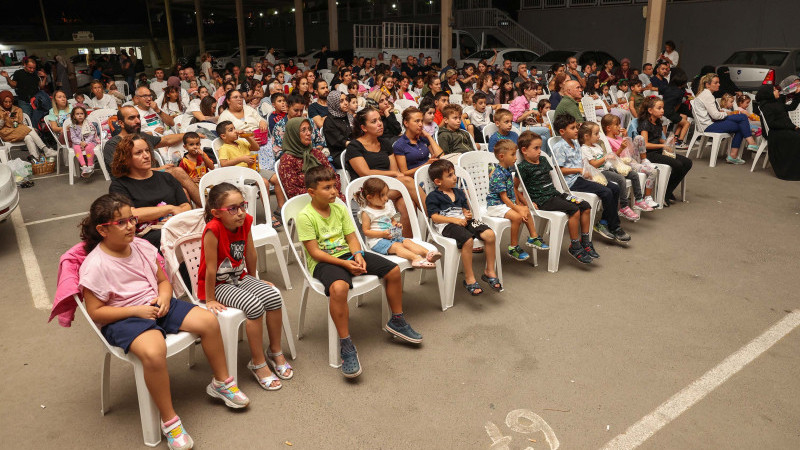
column 128, row 295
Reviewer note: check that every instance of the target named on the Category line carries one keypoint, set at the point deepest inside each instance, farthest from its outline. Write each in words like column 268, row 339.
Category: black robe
column 783, row 137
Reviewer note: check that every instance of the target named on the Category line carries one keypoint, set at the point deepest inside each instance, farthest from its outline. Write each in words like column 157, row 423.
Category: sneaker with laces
column 621, row 236
column 518, row 253
column 589, row 247
column 642, row 205
column 229, row 392
column 400, row 328
column 650, row 202
column 351, row 366
column 604, row 231
column 537, row 243
column 580, row 254
column 629, row 214
column 177, row 437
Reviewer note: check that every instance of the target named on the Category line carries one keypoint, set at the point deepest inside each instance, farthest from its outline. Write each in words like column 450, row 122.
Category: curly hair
column 120, row 165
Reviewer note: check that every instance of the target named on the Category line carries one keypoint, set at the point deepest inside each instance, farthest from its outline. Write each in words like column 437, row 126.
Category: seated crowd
column 371, row 119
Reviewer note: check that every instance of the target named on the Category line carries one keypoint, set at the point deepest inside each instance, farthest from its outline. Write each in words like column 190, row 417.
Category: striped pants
column 252, row 296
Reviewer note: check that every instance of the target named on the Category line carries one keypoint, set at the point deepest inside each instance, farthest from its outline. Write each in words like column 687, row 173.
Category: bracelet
column 354, row 254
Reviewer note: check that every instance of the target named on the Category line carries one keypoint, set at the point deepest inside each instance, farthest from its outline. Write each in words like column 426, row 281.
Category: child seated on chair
column 84, row 138
column 130, row 298
column 636, row 98
column 502, row 201
column 534, row 173
column 742, row 103
column 616, row 138
column 440, row 100
column 567, row 154
column 195, row 162
column 381, row 225
column 452, row 139
column 226, row 278
column 448, row 209
column 240, row 149
column 334, row 256
column 280, row 106
column 428, row 109
column 503, row 118
column 596, row 155
column 479, row 115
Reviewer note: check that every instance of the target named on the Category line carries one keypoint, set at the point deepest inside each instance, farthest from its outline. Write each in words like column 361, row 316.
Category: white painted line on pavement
column 642, row 430
column 52, row 219
column 50, row 176
column 41, row 300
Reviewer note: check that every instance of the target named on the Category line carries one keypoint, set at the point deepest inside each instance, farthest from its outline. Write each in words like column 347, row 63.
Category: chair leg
column 359, row 300
column 105, row 384
column 386, row 313
column 282, row 263
column 148, row 412
column 287, row 332
column 303, row 300
column 761, row 149
column 333, row 344
column 230, row 342
column 450, row 272
column 554, row 254
column 716, row 143
column 192, row 355
column 72, row 170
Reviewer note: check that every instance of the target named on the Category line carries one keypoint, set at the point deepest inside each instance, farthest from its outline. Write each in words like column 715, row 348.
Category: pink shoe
column 642, row 205
column 629, row 214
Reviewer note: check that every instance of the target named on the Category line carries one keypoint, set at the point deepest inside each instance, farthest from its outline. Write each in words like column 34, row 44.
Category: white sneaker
column 177, row 437
column 49, row 152
column 650, row 202
column 86, row 171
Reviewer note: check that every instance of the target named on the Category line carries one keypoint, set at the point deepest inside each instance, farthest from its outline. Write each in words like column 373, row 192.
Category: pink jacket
column 68, row 284
column 518, row 106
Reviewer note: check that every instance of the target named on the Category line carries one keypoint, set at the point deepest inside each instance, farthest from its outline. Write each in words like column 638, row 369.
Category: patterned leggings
column 252, row 296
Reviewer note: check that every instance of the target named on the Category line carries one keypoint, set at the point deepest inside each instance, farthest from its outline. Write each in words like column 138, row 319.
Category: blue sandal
column 493, row 282
column 471, row 288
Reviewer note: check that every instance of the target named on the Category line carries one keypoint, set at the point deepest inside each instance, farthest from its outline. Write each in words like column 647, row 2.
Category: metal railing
column 501, row 22
column 539, row 4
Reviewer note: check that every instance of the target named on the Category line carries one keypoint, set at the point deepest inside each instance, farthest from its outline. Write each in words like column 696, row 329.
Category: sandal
column 276, row 219
column 471, row 288
column 280, row 370
column 493, row 282
column 422, row 263
column 266, row 382
column 433, row 256
column 477, row 249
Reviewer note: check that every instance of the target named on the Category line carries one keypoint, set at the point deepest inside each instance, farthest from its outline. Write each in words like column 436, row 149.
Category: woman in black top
column 336, row 127
column 674, row 108
column 391, row 127
column 367, row 155
column 156, row 195
column 783, row 135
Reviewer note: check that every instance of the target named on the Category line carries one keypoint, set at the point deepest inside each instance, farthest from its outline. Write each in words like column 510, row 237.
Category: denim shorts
column 123, row 332
column 383, row 245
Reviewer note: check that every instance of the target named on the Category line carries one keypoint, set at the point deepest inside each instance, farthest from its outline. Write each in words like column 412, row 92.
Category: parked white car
column 252, row 52
column 9, row 195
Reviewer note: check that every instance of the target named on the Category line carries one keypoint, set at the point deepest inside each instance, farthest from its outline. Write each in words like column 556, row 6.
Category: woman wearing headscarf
column 299, row 156
column 783, row 136
column 726, row 85
column 14, row 130
column 336, row 126
column 696, row 80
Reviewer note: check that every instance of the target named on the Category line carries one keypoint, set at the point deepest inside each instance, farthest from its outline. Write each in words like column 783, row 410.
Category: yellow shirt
column 233, row 151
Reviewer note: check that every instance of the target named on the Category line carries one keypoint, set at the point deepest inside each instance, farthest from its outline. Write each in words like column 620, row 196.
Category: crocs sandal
column 280, row 370
column 433, row 256
column 266, row 382
column 422, row 263
column 493, row 282
column 471, row 288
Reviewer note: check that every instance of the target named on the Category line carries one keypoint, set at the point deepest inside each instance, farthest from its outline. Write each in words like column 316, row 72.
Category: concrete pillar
column 654, row 30
column 170, row 32
column 242, row 44
column 299, row 30
column 44, row 20
column 198, row 18
column 333, row 26
column 446, row 32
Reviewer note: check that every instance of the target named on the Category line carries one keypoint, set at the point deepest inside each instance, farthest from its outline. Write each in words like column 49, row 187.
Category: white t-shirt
column 674, row 57
column 194, row 106
column 271, row 58
column 249, row 122
column 455, row 89
column 341, row 87
column 479, row 119
column 184, row 97
column 158, row 86
column 150, row 120
column 107, row 102
column 205, row 68
column 594, row 152
column 379, row 220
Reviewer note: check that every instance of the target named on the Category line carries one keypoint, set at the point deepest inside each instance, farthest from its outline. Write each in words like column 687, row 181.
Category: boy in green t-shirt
column 334, row 256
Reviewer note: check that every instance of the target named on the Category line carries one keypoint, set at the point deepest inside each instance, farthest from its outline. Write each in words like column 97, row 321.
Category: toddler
column 84, row 137
column 428, row 109
column 195, row 162
column 616, row 138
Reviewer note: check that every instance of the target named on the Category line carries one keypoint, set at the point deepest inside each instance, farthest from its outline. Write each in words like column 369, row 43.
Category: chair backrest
column 215, row 145
column 328, row 77
column 185, row 248
column 541, row 97
column 794, row 116
column 551, row 116
column 124, row 88
column 115, row 350
column 403, row 103
column 265, row 109
column 764, row 121
column 524, row 190
column 394, row 185
column 101, row 115
column 456, row 99
column 559, row 181
column 423, row 180
column 65, row 133
column 588, row 109
column 237, row 176
column 694, row 104
column 600, row 102
column 488, row 131
column 478, row 166
column 345, row 174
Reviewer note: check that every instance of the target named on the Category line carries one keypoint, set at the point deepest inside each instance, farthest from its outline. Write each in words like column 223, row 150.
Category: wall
column 704, row 32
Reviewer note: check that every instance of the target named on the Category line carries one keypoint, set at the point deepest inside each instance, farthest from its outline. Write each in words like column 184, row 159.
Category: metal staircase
column 493, row 19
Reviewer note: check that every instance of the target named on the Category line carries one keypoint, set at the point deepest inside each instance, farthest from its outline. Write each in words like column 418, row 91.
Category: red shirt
column 438, row 117
column 231, row 246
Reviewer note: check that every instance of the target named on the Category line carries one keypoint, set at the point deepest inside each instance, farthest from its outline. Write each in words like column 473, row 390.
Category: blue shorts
column 383, row 245
column 123, row 332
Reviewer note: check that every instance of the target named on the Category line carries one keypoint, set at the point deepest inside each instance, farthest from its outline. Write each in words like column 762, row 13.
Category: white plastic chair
column 762, row 148
column 263, row 233
column 123, row 87
column 187, row 250
column 344, row 175
column 403, row 103
column 456, row 99
column 488, row 131
column 560, row 183
column 327, row 77
column 716, row 139
column 361, row 284
column 551, row 116
column 588, row 109
column 451, row 255
column 6, row 147
column 664, row 171
column 148, row 413
column 476, row 164
column 100, row 116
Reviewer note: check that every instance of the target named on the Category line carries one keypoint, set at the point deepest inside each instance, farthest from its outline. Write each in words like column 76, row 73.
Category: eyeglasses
column 233, row 210
column 144, row 96
column 123, row 223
